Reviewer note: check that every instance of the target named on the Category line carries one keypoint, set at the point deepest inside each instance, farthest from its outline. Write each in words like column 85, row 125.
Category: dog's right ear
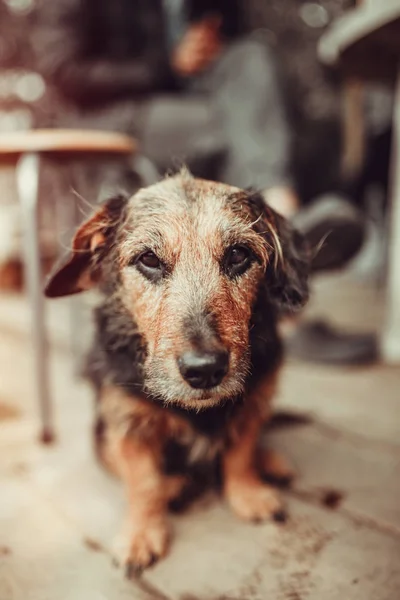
column 289, row 260
column 81, row 270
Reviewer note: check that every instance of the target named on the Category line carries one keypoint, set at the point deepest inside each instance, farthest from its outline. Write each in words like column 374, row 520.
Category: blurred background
column 297, row 99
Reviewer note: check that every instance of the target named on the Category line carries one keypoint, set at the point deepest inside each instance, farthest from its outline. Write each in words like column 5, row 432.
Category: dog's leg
column 145, row 535
column 275, row 467
column 249, row 497
column 174, row 486
column 271, row 464
column 130, row 435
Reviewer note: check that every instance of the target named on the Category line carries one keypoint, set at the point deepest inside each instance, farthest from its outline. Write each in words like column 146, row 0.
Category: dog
column 193, row 276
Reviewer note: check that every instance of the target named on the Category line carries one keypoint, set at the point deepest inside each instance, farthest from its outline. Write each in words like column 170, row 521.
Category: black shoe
column 318, row 342
column 334, row 229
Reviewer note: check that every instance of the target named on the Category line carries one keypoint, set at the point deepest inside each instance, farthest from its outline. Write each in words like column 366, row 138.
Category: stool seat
column 365, row 42
column 65, row 140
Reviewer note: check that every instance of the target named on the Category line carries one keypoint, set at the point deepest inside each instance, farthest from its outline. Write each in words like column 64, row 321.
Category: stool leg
column 28, row 184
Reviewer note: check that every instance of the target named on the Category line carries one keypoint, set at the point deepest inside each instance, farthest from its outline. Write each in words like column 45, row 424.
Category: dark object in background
column 98, row 51
column 334, row 229
column 314, row 98
column 319, row 342
column 120, row 76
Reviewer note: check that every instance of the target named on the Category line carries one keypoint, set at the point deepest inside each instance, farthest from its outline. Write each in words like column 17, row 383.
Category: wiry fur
column 152, row 425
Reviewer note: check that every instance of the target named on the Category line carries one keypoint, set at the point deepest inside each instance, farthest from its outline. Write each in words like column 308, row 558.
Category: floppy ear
column 81, row 270
column 289, row 261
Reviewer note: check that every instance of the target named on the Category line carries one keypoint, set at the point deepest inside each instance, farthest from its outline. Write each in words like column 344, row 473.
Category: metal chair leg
column 28, row 184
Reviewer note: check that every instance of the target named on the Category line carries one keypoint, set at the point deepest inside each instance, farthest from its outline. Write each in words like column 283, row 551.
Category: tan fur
column 275, row 465
column 126, row 414
column 132, row 450
column 146, row 530
column 249, row 498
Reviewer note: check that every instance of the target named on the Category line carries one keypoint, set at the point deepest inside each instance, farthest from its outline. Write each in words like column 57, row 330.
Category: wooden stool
column 25, row 149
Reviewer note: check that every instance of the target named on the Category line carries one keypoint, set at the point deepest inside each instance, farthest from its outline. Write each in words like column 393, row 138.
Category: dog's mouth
column 188, row 401
column 199, row 403
column 224, row 380
column 176, row 391
column 210, row 397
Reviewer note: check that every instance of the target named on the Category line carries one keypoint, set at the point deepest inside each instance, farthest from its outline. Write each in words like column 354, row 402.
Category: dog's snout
column 203, row 370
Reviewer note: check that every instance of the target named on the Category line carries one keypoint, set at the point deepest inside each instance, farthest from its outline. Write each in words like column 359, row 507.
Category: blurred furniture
column 25, row 149
column 366, row 43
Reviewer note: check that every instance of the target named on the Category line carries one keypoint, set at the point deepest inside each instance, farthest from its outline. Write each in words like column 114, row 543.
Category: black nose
column 203, row 369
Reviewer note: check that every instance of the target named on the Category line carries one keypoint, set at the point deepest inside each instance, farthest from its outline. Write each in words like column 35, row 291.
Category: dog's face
column 186, row 258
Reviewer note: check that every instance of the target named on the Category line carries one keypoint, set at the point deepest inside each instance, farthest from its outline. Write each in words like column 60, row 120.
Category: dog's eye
column 150, row 260
column 237, row 260
column 238, row 255
column 150, row 266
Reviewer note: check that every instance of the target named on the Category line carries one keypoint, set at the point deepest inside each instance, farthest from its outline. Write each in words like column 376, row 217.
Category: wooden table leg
column 390, row 345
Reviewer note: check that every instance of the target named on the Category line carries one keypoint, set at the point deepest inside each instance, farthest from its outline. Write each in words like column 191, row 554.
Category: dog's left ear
column 289, row 258
column 81, row 270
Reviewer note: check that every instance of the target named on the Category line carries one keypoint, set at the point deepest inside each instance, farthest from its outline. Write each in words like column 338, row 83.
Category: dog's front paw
column 140, row 547
column 252, row 500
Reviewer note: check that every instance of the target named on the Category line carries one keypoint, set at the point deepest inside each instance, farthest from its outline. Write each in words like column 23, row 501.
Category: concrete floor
column 59, row 512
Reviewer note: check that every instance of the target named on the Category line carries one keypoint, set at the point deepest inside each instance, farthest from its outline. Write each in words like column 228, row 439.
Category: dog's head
column 186, row 259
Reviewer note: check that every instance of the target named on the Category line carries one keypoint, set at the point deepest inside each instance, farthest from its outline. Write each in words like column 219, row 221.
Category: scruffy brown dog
column 193, row 275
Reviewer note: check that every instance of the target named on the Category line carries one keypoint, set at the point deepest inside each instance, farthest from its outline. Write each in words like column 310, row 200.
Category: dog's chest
column 201, row 441
column 182, row 455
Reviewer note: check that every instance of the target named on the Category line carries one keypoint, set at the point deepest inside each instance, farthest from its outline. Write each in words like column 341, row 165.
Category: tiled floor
column 59, row 512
